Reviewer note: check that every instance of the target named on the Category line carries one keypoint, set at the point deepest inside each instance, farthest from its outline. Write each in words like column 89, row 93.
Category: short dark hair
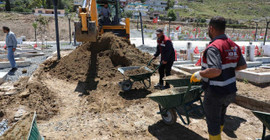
column 159, row 30
column 219, row 23
column 6, row 28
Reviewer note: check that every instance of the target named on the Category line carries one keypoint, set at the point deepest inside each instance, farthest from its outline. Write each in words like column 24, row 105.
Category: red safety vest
column 161, row 43
column 230, row 55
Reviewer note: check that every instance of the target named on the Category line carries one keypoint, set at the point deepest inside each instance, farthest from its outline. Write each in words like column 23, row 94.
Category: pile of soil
column 20, row 130
column 34, row 95
column 98, row 60
column 171, row 91
column 93, row 67
column 141, row 70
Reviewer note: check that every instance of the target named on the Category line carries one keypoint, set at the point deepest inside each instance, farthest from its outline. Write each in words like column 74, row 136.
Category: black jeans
column 215, row 107
column 164, row 69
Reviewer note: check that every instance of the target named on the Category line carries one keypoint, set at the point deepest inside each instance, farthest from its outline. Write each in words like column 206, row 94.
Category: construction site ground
column 107, row 112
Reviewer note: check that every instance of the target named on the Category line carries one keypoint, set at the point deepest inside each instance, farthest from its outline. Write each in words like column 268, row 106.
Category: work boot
column 216, row 137
column 13, row 69
column 165, row 87
column 221, row 128
column 158, row 86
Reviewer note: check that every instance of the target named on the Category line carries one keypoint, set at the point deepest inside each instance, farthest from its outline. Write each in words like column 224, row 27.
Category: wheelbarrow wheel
column 267, row 137
column 126, row 85
column 169, row 117
column 147, row 83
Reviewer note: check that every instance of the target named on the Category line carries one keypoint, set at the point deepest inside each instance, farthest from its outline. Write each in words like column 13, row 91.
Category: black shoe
column 13, row 69
column 158, row 86
column 165, row 87
column 83, row 94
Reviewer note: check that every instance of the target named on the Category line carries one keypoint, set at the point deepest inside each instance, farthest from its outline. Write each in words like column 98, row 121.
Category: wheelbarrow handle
column 150, row 62
column 156, row 67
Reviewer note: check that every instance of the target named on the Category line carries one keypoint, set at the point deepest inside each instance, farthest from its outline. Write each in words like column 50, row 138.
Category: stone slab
column 251, row 103
column 263, row 59
column 177, row 70
column 181, row 62
column 254, row 77
column 3, row 77
column 190, row 68
column 19, row 64
column 30, row 54
column 254, row 63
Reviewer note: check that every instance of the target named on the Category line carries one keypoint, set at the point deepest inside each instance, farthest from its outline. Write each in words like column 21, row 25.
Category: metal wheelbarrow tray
column 33, row 133
column 144, row 78
column 176, row 98
column 265, row 119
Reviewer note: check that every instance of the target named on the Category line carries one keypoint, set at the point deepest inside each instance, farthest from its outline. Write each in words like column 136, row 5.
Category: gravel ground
column 36, row 61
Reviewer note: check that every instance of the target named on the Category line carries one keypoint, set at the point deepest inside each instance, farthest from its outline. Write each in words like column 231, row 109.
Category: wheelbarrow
column 183, row 95
column 265, row 119
column 33, row 133
column 144, row 78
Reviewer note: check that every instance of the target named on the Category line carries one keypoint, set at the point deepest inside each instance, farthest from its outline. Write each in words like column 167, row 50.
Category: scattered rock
column 24, row 71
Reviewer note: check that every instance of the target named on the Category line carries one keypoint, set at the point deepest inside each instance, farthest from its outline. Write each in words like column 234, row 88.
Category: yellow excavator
column 92, row 25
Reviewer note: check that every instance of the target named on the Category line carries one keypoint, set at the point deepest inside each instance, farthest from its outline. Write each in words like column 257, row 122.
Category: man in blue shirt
column 106, row 13
column 11, row 43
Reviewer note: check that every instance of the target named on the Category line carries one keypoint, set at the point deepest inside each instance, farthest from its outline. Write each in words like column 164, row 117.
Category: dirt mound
column 41, row 99
column 141, row 70
column 34, row 95
column 93, row 66
column 20, row 130
column 100, row 59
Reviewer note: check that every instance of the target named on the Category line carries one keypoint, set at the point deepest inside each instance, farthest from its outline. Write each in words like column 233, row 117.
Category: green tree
column 143, row 1
column 43, row 23
column 7, row 7
column 49, row 4
column 170, row 4
column 35, row 25
column 171, row 13
column 129, row 14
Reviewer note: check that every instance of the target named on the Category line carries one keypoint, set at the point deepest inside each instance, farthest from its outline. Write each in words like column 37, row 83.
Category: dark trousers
column 164, row 69
column 215, row 107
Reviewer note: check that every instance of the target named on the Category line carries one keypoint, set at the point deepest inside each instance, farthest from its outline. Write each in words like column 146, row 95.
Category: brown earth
column 20, row 130
column 21, row 25
column 141, row 70
column 107, row 112
column 34, row 95
column 261, row 93
column 260, row 70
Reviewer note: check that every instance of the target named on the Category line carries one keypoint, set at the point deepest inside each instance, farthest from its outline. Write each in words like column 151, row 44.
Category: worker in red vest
column 165, row 48
column 220, row 60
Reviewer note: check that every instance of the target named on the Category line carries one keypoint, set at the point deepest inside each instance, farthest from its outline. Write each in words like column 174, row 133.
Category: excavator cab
column 92, row 23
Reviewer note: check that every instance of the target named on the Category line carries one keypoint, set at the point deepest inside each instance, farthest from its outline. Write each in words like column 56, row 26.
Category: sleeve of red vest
column 157, row 52
column 213, row 58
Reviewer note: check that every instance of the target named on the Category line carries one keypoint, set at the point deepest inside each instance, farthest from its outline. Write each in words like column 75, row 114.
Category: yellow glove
column 196, row 77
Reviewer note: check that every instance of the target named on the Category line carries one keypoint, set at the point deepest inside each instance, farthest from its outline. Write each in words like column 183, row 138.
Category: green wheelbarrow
column 33, row 133
column 183, row 95
column 144, row 78
column 265, row 119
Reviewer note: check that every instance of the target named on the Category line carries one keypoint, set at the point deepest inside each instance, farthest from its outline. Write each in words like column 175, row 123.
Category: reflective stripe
column 162, row 45
column 224, row 66
column 222, row 83
column 205, row 79
column 229, row 65
column 204, row 65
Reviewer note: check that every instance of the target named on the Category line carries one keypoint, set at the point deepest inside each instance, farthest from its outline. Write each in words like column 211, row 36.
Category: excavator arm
column 86, row 30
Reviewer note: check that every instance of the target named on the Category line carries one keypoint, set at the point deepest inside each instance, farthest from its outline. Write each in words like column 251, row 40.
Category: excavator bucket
column 86, row 36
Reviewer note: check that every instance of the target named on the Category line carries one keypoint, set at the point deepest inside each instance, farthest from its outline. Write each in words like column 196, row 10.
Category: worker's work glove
column 196, row 77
